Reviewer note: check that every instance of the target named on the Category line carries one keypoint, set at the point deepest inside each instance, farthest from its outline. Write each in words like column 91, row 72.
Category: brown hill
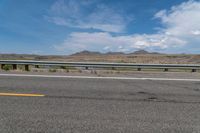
column 144, row 52
column 135, row 57
column 85, row 52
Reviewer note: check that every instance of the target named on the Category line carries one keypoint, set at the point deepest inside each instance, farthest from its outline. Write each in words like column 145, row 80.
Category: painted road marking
column 21, row 95
column 90, row 77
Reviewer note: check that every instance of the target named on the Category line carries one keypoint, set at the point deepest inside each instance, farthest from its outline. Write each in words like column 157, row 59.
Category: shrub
column 67, row 70
column 7, row 67
column 80, row 71
column 52, row 70
column 63, row 67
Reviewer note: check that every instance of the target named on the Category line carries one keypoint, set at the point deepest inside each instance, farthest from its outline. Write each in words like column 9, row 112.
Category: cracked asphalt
column 99, row 106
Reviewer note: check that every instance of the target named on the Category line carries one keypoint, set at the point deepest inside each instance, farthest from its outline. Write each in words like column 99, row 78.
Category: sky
column 63, row 27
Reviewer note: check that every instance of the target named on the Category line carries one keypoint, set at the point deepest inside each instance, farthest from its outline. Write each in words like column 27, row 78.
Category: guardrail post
column 36, row 66
column 63, row 67
column 2, row 66
column 14, row 66
column 139, row 69
column 86, row 68
column 194, row 70
column 26, row 67
column 166, row 70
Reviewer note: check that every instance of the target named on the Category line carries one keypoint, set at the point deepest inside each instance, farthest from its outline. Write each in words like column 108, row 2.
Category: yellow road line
column 21, row 95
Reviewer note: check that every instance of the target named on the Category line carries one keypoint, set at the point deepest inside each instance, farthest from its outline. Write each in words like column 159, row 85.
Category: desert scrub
column 52, row 70
column 7, row 67
column 80, row 71
column 66, row 70
column 63, row 67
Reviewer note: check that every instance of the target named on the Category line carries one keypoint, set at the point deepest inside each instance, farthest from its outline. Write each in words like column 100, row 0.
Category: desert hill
column 140, row 56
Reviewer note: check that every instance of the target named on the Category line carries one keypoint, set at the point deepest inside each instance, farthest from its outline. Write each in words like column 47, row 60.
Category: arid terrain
column 140, row 56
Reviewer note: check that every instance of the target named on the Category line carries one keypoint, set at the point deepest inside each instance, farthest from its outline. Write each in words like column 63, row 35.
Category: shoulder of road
column 130, row 75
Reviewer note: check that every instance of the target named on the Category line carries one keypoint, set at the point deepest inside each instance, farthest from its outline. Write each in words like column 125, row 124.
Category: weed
column 52, row 70
column 7, row 67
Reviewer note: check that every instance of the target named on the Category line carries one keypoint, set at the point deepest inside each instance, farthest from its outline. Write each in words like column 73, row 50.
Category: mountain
column 114, row 53
column 144, row 52
column 140, row 52
column 90, row 53
column 85, row 52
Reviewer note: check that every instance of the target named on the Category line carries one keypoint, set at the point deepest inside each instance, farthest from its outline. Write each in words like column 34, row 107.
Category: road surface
column 98, row 105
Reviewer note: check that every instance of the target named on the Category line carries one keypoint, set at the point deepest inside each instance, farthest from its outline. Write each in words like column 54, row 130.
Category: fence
column 87, row 65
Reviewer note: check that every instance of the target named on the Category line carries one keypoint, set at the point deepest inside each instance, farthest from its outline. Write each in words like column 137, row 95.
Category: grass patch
column 7, row 67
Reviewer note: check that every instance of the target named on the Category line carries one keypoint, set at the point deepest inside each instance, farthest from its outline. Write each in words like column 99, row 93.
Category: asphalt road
column 73, row 105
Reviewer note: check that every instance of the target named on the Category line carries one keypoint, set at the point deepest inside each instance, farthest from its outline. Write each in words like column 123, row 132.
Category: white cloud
column 196, row 32
column 75, row 13
column 183, row 20
column 105, row 42
column 181, row 30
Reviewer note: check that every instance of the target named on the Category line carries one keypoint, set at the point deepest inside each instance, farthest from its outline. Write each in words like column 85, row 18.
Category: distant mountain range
column 78, row 54
column 85, row 52
column 144, row 52
column 140, row 56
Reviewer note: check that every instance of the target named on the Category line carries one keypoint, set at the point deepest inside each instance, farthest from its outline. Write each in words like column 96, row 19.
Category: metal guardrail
column 27, row 63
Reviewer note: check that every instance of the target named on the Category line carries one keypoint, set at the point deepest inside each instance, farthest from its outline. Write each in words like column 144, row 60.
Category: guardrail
column 86, row 65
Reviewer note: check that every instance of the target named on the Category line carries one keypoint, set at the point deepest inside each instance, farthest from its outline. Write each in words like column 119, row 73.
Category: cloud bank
column 87, row 14
column 181, row 29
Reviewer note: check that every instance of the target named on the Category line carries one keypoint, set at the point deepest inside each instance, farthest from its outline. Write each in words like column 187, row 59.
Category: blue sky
column 68, row 26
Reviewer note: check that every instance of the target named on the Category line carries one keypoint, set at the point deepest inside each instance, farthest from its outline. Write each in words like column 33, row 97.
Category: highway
column 42, row 104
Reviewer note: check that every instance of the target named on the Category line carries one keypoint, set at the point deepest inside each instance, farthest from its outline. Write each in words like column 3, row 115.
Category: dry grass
column 149, row 58
column 120, row 58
